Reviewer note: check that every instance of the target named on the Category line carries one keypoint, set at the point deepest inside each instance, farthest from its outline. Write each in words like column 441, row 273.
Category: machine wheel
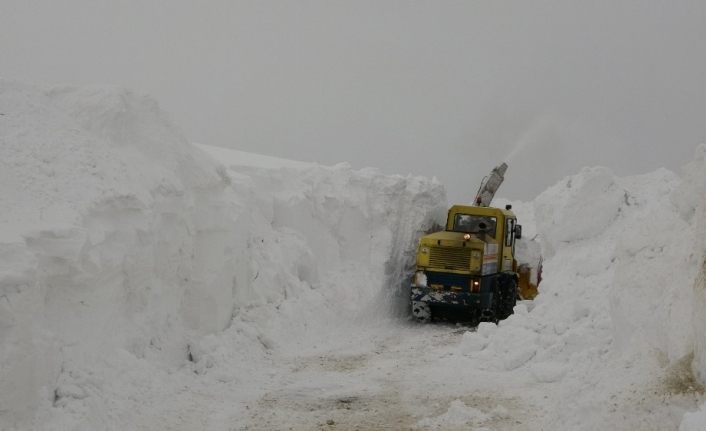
column 507, row 299
column 421, row 311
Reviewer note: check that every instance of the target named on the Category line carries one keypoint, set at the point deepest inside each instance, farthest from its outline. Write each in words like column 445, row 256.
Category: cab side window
column 509, row 232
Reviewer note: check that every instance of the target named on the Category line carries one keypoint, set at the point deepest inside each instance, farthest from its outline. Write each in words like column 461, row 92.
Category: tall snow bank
column 351, row 233
column 124, row 249
column 614, row 315
column 102, row 210
column 627, row 233
column 690, row 198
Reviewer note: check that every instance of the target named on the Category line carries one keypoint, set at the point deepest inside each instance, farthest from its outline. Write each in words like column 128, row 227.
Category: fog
column 446, row 89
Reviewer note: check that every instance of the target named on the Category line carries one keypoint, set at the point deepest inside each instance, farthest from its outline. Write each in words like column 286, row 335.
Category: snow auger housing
column 468, row 271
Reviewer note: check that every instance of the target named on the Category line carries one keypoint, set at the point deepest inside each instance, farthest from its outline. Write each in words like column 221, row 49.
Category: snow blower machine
column 468, row 272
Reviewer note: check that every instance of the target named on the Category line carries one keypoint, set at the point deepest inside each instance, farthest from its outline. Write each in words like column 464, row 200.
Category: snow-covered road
column 396, row 385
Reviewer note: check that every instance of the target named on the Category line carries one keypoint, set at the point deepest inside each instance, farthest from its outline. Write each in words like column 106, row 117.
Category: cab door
column 508, row 242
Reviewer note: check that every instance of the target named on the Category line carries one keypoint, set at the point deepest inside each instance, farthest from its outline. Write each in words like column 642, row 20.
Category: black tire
column 508, row 298
column 421, row 311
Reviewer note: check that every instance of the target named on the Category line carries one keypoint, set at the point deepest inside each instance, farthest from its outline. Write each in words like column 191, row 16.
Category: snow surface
column 148, row 283
column 126, row 251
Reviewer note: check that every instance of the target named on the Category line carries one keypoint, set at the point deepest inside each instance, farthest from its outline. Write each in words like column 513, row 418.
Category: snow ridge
column 129, row 255
column 612, row 324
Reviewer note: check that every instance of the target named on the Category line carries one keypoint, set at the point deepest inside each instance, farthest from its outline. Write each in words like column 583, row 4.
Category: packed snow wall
column 643, row 233
column 119, row 239
column 691, row 200
column 339, row 235
column 615, row 319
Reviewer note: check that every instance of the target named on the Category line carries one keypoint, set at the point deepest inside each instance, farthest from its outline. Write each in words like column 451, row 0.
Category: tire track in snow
column 371, row 391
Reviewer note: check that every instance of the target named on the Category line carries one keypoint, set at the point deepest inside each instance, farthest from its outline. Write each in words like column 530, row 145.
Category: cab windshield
column 469, row 223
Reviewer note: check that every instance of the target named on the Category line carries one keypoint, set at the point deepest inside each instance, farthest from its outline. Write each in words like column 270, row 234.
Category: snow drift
column 136, row 267
column 616, row 323
column 122, row 247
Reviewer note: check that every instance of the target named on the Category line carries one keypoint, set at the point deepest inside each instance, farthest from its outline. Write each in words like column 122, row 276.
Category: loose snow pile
column 612, row 327
column 129, row 259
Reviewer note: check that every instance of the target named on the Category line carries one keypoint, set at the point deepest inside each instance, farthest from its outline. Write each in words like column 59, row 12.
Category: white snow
column 148, row 283
column 127, row 252
column 458, row 414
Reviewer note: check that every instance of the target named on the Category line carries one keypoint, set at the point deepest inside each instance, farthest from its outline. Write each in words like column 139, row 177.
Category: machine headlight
column 474, row 285
column 424, row 250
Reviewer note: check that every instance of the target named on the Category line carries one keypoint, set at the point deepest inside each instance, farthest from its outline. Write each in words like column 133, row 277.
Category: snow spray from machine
column 529, row 137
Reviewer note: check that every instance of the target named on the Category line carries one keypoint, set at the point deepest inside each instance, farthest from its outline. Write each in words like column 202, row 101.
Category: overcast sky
column 439, row 88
